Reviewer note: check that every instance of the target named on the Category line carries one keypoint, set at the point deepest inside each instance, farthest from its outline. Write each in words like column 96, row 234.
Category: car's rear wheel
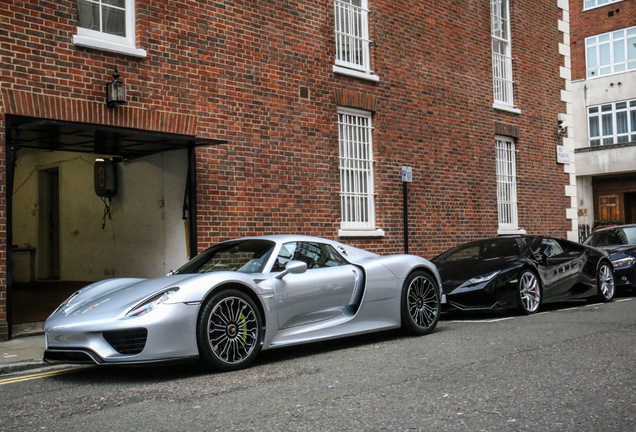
column 421, row 303
column 605, row 283
column 528, row 292
column 229, row 331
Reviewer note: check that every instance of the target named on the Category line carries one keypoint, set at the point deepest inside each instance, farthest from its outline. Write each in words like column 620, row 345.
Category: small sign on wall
column 407, row 174
column 563, row 155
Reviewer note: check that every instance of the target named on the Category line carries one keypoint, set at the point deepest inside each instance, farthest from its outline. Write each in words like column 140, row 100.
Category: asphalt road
column 569, row 369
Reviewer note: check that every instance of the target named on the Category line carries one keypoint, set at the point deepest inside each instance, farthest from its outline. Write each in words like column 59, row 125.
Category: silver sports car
column 241, row 296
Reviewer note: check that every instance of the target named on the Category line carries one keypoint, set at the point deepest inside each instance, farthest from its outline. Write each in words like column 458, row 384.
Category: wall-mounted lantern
column 115, row 91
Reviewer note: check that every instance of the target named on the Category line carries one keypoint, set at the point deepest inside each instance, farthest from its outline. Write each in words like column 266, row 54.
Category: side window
column 315, row 255
column 107, row 25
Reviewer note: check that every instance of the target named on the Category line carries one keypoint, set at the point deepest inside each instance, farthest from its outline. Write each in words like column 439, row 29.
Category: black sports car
column 620, row 243
column 523, row 272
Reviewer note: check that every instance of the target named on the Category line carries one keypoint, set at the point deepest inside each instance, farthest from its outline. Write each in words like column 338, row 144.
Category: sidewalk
column 23, row 352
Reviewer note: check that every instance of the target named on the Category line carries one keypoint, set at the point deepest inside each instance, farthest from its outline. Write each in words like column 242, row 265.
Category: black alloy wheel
column 421, row 305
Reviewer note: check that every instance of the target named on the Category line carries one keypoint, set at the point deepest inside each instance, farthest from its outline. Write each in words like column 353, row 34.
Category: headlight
column 151, row 303
column 67, row 301
column 624, row 262
column 484, row 278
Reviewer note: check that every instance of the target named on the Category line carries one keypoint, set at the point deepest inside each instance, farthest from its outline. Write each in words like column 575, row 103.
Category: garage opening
column 63, row 235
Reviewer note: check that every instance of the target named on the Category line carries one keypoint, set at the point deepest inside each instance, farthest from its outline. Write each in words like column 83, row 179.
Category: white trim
column 518, row 231
column 107, row 42
column 103, row 45
column 508, row 108
column 350, row 233
column 354, row 73
column 599, row 6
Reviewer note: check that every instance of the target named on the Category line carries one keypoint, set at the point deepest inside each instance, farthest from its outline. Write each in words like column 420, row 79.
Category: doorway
column 630, row 207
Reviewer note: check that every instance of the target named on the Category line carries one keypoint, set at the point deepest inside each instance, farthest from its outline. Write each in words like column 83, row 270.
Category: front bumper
column 170, row 334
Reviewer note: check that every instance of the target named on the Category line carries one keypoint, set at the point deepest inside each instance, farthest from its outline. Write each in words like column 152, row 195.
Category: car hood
column 456, row 273
column 619, row 249
column 114, row 296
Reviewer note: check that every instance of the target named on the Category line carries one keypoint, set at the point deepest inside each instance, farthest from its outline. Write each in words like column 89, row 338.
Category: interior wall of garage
column 145, row 236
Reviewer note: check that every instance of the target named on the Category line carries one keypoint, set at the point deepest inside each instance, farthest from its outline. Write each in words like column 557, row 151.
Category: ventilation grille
column 131, row 341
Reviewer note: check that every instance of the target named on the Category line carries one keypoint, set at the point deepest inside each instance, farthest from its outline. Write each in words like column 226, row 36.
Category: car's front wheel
column 528, row 292
column 605, row 283
column 421, row 303
column 229, row 331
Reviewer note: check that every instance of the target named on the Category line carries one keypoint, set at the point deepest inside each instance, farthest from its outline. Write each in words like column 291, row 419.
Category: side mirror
column 295, row 267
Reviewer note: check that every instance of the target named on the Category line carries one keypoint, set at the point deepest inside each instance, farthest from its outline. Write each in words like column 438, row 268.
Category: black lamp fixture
column 115, row 91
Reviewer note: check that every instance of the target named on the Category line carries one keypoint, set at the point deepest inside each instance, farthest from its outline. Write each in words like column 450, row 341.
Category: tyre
column 229, row 331
column 528, row 292
column 605, row 283
column 421, row 304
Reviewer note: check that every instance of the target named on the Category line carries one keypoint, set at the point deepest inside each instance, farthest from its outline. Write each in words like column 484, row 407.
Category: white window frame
column 615, row 123
column 503, row 85
column 107, row 42
column 609, row 53
column 507, row 201
column 355, row 154
column 592, row 4
column 352, row 30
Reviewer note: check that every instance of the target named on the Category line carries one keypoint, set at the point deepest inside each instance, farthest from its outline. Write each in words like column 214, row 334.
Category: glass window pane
column 88, row 15
column 592, row 61
column 608, row 141
column 595, row 143
column 604, row 54
column 603, row 38
column 592, row 110
column 606, row 108
column 114, row 21
column 631, row 48
column 594, row 129
column 632, row 116
column 608, row 127
column 619, row 51
column 621, row 122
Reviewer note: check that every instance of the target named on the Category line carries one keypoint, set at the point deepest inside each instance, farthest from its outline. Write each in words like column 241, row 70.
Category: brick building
column 604, row 99
column 254, row 117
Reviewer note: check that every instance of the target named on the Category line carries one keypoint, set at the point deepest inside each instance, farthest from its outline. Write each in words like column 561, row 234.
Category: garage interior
column 63, row 235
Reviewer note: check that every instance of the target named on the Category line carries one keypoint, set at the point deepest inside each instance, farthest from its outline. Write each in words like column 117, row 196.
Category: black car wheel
column 229, row 331
column 605, row 283
column 421, row 303
column 528, row 292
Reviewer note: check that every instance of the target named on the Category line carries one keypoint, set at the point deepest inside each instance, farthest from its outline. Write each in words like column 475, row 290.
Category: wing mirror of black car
column 294, row 267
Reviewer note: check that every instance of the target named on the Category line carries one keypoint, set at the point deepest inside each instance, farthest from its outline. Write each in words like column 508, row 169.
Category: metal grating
column 130, row 341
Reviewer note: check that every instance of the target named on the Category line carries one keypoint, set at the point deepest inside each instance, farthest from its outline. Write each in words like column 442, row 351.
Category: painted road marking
column 37, row 376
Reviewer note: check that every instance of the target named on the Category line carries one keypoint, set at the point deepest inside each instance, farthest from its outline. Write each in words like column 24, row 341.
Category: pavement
column 25, row 351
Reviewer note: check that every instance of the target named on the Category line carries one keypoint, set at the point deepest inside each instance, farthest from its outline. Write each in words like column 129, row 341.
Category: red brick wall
column 239, row 68
column 593, row 22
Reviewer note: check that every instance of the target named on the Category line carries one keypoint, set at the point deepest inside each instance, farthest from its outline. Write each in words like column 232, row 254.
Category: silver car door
column 322, row 292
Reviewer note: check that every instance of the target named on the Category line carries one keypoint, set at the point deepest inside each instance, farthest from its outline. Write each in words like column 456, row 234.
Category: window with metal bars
column 352, row 34
column 356, row 169
column 507, row 184
column 501, row 57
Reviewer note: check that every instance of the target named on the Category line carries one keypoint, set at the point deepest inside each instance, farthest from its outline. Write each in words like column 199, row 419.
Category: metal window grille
column 507, row 184
column 352, row 34
column 501, row 58
column 356, row 170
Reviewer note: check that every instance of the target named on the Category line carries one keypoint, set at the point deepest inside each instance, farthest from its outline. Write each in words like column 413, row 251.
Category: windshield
column 612, row 237
column 245, row 256
column 486, row 249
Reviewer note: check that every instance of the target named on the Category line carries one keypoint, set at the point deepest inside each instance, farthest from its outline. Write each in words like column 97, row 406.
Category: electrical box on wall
column 105, row 180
